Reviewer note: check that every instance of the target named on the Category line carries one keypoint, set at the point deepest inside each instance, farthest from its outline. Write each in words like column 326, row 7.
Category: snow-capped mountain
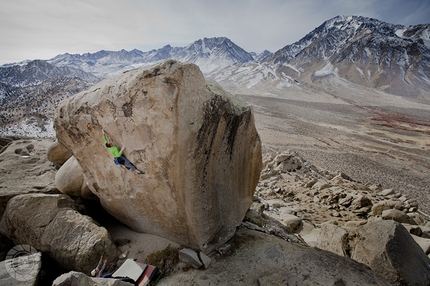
column 345, row 49
column 259, row 57
column 365, row 51
column 209, row 53
column 103, row 63
column 38, row 71
column 29, row 93
column 213, row 54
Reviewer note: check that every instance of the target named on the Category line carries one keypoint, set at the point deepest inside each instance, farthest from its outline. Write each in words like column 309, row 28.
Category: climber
column 98, row 271
column 119, row 158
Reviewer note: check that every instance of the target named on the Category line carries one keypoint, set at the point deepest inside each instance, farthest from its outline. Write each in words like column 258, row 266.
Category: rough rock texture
column 74, row 278
column 50, row 224
column 388, row 248
column 332, row 238
column 24, row 169
column 58, row 154
column 256, row 258
column 198, row 146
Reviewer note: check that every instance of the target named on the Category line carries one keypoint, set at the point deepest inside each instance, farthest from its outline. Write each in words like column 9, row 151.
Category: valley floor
column 368, row 135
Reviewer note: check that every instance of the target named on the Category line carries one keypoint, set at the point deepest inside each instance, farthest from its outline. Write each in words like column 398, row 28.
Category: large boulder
column 388, row 248
column 197, row 145
column 51, row 224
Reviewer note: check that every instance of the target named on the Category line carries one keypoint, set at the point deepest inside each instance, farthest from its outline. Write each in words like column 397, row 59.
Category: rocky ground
column 296, row 204
column 368, row 135
column 330, row 166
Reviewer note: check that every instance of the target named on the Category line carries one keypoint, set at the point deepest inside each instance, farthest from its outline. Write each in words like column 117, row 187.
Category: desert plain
column 369, row 135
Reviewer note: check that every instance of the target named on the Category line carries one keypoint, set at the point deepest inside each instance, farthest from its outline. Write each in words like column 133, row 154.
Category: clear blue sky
column 42, row 29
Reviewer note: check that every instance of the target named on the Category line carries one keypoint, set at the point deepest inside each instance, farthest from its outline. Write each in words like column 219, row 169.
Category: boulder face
column 197, row 145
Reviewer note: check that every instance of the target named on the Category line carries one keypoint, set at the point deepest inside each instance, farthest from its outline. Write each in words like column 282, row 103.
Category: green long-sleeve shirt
column 113, row 149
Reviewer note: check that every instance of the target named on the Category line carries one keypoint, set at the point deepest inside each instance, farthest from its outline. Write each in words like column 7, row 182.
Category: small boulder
column 388, row 248
column 387, row 192
column 360, row 202
column 206, row 260
column 290, row 220
column 424, row 243
column 24, row 169
column 69, row 178
column 190, row 257
column 413, row 229
column 379, row 207
column 332, row 238
column 58, row 154
column 321, row 185
column 397, row 215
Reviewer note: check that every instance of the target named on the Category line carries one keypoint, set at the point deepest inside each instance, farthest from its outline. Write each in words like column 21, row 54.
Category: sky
column 42, row 29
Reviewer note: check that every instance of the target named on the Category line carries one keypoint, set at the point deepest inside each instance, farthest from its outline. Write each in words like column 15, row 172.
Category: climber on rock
column 119, row 158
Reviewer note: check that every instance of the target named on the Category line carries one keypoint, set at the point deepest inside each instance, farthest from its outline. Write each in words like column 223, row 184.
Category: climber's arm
column 105, row 139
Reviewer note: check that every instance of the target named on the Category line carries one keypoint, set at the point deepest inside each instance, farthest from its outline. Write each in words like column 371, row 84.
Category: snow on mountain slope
column 209, row 53
column 37, row 71
column 365, row 51
column 346, row 49
column 213, row 54
column 30, row 92
column 102, row 63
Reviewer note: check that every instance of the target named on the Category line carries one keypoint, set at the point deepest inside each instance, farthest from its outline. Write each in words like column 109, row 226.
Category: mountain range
column 362, row 51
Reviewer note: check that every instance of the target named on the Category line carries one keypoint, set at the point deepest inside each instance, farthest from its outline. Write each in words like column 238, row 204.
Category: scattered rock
column 206, row 260
column 387, row 192
column 424, row 243
column 388, row 248
column 379, row 207
column 289, row 220
column 350, row 206
column 190, row 257
column 397, row 215
column 332, row 238
column 361, row 202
